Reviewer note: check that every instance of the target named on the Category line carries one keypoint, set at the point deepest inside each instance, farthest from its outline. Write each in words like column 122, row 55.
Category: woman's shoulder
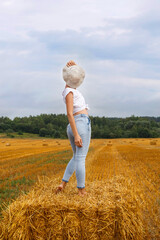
column 67, row 90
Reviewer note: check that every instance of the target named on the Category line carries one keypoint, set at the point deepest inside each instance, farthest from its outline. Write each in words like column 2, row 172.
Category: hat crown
column 73, row 75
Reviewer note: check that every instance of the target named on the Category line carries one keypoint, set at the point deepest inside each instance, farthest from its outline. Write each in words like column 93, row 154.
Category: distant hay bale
column 44, row 215
column 45, row 144
column 109, row 144
column 58, row 143
column 44, row 140
column 3, row 141
column 153, row 142
column 130, row 142
column 8, row 144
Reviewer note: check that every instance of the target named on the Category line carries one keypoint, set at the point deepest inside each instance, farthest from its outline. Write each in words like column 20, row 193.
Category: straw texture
column 109, row 211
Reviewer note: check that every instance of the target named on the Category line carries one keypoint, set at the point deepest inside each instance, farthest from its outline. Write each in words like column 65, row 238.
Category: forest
column 54, row 126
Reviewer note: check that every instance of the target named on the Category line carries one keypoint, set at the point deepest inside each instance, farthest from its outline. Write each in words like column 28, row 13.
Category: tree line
column 54, row 126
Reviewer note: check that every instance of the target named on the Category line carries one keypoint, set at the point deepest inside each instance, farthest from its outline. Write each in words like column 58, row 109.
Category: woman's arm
column 69, row 106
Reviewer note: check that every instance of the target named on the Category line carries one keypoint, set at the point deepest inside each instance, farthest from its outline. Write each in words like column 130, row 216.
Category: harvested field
column 122, row 181
column 25, row 159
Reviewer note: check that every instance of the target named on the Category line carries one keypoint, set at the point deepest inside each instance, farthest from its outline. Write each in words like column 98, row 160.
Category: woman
column 79, row 127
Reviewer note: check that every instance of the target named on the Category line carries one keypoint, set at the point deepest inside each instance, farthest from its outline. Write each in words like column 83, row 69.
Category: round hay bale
column 153, row 142
column 109, row 144
column 3, row 141
column 45, row 144
column 8, row 144
column 44, row 140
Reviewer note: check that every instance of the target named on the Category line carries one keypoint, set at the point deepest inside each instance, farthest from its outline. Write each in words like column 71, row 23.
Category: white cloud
column 48, row 15
column 117, row 43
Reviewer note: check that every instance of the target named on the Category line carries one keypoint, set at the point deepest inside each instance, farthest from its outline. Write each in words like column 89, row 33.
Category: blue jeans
column 77, row 162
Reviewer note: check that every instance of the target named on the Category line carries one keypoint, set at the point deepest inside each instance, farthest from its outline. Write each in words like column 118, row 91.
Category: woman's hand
column 78, row 141
column 70, row 63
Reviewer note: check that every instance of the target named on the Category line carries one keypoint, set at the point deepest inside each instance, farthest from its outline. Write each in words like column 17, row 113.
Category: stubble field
column 122, row 181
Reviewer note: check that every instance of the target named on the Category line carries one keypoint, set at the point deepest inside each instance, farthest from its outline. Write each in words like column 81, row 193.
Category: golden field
column 122, row 182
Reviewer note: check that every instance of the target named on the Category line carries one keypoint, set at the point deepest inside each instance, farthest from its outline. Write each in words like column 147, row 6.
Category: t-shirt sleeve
column 66, row 92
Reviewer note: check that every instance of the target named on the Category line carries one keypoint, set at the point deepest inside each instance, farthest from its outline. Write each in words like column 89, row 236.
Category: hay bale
column 45, row 144
column 58, row 143
column 109, row 144
column 3, row 141
column 153, row 142
column 44, row 140
column 110, row 209
column 8, row 144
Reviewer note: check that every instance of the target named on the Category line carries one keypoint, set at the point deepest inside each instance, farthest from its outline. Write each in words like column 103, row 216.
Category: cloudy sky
column 117, row 42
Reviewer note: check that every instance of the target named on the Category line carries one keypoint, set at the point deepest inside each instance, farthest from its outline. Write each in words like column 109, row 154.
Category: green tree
column 143, row 132
column 57, row 134
column 43, row 132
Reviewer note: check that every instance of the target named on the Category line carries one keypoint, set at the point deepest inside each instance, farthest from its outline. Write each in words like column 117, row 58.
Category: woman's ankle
column 82, row 192
column 64, row 183
column 81, row 189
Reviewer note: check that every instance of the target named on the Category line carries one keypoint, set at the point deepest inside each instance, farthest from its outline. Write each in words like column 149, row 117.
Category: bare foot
column 82, row 192
column 60, row 187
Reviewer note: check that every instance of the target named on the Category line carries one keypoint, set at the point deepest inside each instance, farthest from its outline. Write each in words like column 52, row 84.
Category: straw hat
column 73, row 75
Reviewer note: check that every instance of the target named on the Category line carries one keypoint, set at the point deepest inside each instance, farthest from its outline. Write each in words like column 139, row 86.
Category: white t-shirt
column 78, row 99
